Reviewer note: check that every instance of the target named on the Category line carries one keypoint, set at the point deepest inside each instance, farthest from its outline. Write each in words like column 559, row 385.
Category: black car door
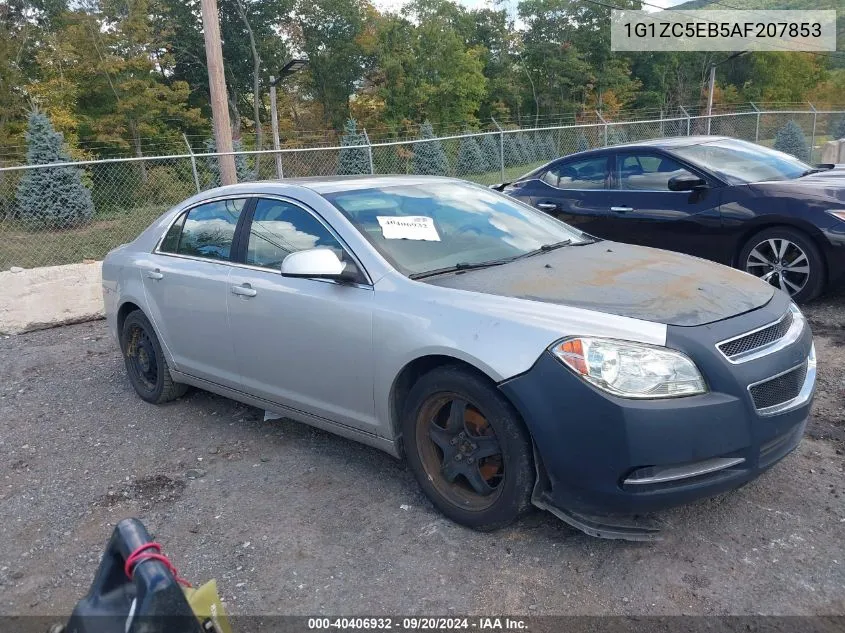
column 643, row 210
column 577, row 191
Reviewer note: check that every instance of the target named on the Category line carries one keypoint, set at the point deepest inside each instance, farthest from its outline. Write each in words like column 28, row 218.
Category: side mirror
column 319, row 263
column 686, row 182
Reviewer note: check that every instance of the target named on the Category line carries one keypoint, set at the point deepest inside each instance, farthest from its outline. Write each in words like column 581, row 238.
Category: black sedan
column 723, row 199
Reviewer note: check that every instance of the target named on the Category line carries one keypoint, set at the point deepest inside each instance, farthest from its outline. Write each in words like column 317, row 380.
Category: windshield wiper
column 816, row 170
column 461, row 266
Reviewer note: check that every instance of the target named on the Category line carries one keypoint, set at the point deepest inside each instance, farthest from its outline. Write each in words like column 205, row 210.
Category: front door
column 644, row 211
column 303, row 343
column 186, row 283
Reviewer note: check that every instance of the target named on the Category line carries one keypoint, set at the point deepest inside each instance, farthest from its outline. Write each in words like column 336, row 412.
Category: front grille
column 757, row 339
column 778, row 390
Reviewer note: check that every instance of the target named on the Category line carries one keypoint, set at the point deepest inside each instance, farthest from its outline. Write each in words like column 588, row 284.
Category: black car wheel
column 145, row 363
column 787, row 259
column 468, row 449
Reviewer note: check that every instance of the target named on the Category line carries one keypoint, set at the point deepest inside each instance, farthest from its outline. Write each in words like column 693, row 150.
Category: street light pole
column 217, row 90
column 710, row 96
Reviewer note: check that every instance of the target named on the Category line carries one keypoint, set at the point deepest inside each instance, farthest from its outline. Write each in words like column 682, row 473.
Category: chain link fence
column 128, row 194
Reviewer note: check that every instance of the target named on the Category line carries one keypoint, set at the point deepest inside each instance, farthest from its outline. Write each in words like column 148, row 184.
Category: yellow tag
column 206, row 605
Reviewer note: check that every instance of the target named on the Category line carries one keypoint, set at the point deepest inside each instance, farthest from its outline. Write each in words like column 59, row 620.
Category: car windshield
column 421, row 228
column 740, row 162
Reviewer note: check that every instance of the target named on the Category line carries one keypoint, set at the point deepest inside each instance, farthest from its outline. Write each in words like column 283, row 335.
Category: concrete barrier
column 834, row 152
column 37, row 298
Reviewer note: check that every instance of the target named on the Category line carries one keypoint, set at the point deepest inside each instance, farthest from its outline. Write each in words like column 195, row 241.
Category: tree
column 581, row 143
column 429, row 157
column 470, row 159
column 490, row 149
column 790, row 139
column 245, row 174
column 352, row 161
column 54, row 197
column 837, row 128
column 513, row 151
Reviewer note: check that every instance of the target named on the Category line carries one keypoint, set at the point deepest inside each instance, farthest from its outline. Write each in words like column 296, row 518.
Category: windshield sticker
column 408, row 228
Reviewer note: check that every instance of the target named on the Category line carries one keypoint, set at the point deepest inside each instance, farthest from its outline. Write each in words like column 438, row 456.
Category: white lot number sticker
column 410, row 227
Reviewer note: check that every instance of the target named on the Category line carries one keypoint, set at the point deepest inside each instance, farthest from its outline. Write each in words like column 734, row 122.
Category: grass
column 31, row 248
column 511, row 174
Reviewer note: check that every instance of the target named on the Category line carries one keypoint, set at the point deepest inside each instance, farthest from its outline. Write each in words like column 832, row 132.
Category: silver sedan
column 510, row 358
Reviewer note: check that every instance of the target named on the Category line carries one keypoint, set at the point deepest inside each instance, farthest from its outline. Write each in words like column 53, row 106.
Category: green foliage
column 790, row 139
column 490, row 149
column 429, row 157
column 54, row 197
column 212, row 163
column 470, row 159
column 352, row 161
column 513, row 151
column 582, row 144
column 547, row 148
column 837, row 128
column 616, row 135
column 166, row 185
column 528, row 148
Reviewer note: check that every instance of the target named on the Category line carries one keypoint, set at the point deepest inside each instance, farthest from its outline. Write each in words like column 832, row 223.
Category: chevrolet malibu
column 508, row 357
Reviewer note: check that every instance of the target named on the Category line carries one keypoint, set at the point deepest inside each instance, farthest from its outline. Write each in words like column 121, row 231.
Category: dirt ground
column 291, row 520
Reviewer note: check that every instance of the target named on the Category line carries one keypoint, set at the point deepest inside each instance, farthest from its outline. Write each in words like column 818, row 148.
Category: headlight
column 837, row 213
column 630, row 370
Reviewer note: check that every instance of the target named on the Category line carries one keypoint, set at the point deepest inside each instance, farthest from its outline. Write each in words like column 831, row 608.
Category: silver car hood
column 621, row 279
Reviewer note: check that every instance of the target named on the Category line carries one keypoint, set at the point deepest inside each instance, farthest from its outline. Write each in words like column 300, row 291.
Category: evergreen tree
column 490, row 148
column 513, row 151
column 528, row 147
column 581, row 143
column 790, row 139
column 837, row 128
column 54, row 197
column 242, row 170
column 429, row 157
column 353, row 161
column 549, row 146
column 470, row 158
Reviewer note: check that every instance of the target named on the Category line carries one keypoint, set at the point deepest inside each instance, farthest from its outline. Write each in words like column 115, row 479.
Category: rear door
column 644, row 211
column 185, row 281
column 303, row 343
column 577, row 191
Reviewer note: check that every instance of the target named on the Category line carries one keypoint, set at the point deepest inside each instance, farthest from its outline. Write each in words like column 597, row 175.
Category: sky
column 395, row 5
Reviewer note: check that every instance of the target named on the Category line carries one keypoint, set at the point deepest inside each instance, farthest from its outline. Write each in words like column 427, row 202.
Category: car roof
column 320, row 184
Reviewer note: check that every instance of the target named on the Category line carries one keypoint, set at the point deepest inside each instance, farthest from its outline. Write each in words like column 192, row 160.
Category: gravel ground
column 293, row 520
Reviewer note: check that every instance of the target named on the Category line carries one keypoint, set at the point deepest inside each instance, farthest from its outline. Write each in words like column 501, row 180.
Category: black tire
column 489, row 422
column 145, row 362
column 765, row 261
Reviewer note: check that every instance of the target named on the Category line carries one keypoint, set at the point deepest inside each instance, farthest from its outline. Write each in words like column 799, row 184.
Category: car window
column 738, row 162
column 646, row 172
column 205, row 231
column 589, row 173
column 280, row 228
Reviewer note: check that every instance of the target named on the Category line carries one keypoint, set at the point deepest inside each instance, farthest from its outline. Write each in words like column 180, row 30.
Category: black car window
column 208, row 230
column 171, row 240
column 646, row 172
column 588, row 173
column 280, row 228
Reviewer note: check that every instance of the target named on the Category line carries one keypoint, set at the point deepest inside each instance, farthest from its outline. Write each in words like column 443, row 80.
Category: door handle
column 547, row 206
column 244, row 290
column 621, row 209
column 155, row 274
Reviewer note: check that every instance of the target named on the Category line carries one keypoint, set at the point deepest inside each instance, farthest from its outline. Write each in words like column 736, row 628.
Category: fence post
column 501, row 147
column 662, row 129
column 601, row 118
column 274, row 122
column 757, row 127
column 193, row 163
column 686, row 114
column 369, row 151
column 813, row 141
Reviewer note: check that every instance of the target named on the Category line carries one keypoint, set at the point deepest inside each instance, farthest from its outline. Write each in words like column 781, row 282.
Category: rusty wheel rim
column 459, row 451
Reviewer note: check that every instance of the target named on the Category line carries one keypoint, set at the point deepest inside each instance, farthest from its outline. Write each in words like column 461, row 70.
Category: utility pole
column 710, row 95
column 217, row 88
column 274, row 122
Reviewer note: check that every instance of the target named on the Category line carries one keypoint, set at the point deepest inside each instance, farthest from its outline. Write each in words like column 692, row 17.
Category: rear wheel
column 787, row 259
column 468, row 449
column 145, row 363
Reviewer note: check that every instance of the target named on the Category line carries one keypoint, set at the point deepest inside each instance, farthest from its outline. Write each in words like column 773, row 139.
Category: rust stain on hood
column 625, row 280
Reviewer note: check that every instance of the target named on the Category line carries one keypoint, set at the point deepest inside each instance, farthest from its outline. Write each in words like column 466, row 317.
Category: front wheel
column 468, row 449
column 787, row 259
